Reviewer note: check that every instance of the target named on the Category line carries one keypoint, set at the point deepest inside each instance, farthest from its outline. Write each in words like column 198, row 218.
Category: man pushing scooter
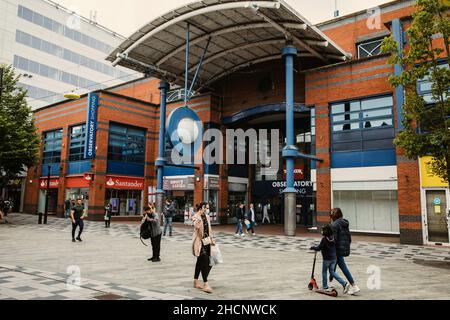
column 328, row 248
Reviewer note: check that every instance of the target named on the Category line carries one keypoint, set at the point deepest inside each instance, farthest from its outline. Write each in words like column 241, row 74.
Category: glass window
column 377, row 113
column 27, row 14
column 378, row 123
column 370, row 48
column 377, row 103
column 345, row 107
column 77, row 142
column 344, row 117
column 52, row 147
column 126, row 144
column 346, row 126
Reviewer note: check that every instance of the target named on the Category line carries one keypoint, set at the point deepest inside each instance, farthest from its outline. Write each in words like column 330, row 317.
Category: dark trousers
column 202, row 266
column 77, row 223
column 156, row 246
column 108, row 223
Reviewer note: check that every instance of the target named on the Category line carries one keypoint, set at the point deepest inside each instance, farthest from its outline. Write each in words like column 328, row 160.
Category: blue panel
column 211, row 168
column 77, row 167
column 125, row 168
column 371, row 158
column 399, row 94
column 177, row 171
column 54, row 170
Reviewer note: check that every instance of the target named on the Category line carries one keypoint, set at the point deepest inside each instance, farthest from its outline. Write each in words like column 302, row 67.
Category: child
column 328, row 248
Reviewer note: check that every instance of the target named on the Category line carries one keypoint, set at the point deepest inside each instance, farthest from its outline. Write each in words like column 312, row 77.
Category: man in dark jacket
column 343, row 238
column 169, row 213
column 240, row 214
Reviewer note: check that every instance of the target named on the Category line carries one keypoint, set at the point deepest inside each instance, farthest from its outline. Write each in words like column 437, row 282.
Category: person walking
column 202, row 239
column 155, row 232
column 252, row 218
column 108, row 215
column 169, row 212
column 341, row 231
column 77, row 215
column 265, row 213
column 328, row 248
column 240, row 214
column 67, row 207
column 2, row 215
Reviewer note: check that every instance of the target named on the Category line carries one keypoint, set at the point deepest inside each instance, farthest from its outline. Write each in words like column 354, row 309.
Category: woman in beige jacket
column 202, row 230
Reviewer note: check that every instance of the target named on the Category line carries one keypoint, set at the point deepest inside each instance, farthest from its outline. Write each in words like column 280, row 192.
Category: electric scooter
column 312, row 285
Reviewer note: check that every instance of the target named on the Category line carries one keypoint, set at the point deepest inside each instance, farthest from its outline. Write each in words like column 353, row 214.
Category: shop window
column 52, row 147
column 424, row 87
column 361, row 125
column 126, row 144
column 369, row 48
column 77, row 142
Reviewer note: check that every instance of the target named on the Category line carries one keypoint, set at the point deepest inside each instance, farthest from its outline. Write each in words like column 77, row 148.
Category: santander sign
column 124, row 183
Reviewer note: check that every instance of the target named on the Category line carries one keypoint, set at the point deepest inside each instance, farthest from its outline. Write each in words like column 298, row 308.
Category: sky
column 136, row 13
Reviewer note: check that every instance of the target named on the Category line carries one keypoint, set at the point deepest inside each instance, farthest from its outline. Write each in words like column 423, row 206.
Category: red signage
column 124, row 183
column 77, row 182
column 54, row 183
column 299, row 173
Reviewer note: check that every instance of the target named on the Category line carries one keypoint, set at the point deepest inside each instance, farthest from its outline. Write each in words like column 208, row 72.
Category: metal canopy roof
column 241, row 33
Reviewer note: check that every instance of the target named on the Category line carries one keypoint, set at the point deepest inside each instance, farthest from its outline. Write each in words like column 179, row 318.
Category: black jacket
column 240, row 213
column 328, row 248
column 169, row 210
column 343, row 237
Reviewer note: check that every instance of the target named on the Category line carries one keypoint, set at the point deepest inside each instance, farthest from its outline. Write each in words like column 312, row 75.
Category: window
column 369, row 48
column 126, row 144
column 424, row 87
column 77, row 142
column 366, row 124
column 52, row 147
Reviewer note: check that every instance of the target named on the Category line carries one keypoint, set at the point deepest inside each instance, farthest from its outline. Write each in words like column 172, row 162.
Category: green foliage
column 426, row 127
column 19, row 143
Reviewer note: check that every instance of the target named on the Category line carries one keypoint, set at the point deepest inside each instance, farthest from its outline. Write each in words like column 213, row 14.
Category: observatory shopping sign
column 91, row 126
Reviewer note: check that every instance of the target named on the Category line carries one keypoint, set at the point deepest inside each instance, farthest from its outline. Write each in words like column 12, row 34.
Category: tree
column 19, row 142
column 426, row 126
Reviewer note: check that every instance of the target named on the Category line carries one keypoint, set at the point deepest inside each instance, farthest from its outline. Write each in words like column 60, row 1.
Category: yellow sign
column 437, row 209
column 428, row 178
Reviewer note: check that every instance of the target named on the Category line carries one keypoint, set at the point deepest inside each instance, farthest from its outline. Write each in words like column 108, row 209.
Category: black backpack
column 145, row 232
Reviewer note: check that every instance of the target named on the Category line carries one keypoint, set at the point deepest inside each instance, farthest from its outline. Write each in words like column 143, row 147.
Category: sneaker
column 73, row 240
column 236, row 234
column 150, row 259
column 354, row 289
column 347, row 287
column 79, row 239
column 329, row 289
column 156, row 260
column 331, row 285
column 242, row 235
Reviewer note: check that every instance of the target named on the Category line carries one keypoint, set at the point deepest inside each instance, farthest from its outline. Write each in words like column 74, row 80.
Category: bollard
column 40, row 218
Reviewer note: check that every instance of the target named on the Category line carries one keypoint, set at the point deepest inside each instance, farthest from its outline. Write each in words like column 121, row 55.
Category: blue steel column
column 290, row 151
column 397, row 31
column 161, row 161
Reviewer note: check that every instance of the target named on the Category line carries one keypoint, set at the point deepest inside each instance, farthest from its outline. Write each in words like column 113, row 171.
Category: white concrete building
column 56, row 50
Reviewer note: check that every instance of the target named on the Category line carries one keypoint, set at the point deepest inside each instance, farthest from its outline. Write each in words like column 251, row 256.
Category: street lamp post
column 1, row 83
column 47, row 191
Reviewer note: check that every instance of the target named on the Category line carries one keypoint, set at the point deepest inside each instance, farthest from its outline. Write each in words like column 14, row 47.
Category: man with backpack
column 169, row 213
column 150, row 228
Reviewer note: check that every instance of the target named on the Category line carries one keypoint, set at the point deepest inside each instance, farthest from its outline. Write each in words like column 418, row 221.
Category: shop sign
column 428, row 178
column 54, row 183
column 212, row 183
column 91, row 126
column 299, row 172
column 77, row 182
column 124, row 183
column 178, row 184
column 303, row 187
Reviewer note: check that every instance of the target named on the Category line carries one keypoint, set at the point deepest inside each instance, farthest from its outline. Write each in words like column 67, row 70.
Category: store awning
column 241, row 34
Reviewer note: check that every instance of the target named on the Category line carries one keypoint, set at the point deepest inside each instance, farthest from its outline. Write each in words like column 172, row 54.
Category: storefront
column 77, row 187
column 125, row 195
column 52, row 195
column 181, row 191
column 435, row 205
column 211, row 195
column 237, row 193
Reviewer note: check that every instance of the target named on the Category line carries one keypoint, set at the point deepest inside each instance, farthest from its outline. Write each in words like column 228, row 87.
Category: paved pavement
column 41, row 262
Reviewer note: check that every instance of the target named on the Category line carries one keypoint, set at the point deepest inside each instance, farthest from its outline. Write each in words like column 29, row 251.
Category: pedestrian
column 169, row 212
column 2, row 216
column 328, row 248
column 341, row 231
column 67, row 207
column 251, row 218
column 240, row 214
column 155, row 232
column 77, row 215
column 108, row 215
column 265, row 213
column 202, row 239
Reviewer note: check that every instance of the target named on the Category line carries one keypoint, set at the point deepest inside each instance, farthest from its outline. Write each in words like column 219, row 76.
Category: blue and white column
column 161, row 161
column 290, row 150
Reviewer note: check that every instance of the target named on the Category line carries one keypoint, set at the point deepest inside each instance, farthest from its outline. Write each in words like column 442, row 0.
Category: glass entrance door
column 437, row 216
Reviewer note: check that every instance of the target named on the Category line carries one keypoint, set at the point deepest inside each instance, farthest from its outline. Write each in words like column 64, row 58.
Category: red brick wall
column 146, row 90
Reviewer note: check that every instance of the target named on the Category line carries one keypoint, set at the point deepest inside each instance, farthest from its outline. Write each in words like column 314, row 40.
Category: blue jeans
column 239, row 226
column 343, row 266
column 330, row 265
column 67, row 213
column 168, row 222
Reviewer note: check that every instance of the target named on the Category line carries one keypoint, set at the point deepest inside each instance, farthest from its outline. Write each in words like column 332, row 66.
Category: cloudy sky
column 126, row 16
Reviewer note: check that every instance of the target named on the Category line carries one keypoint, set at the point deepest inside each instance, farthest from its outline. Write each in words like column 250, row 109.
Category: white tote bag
column 216, row 255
